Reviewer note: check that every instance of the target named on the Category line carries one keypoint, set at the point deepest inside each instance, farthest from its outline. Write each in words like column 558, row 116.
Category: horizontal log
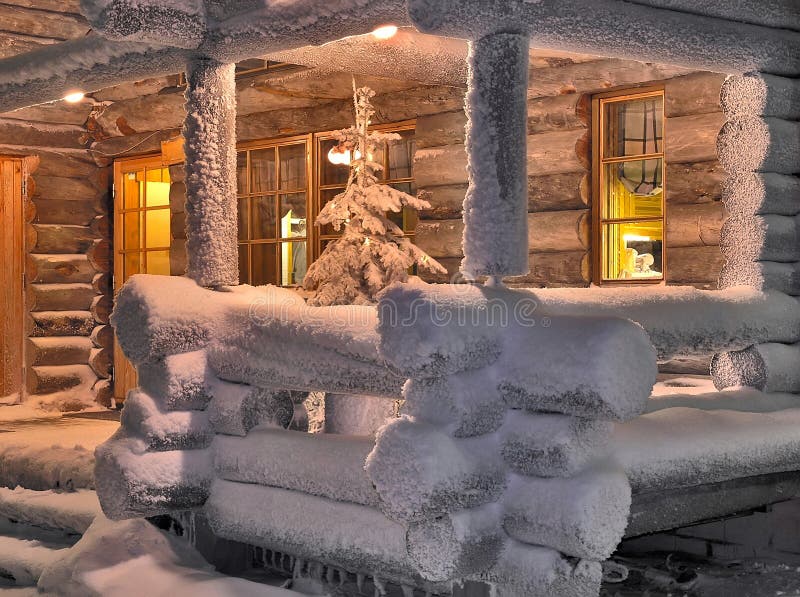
column 695, row 93
column 760, row 145
column 103, row 390
column 561, row 268
column 58, row 269
column 50, row 25
column 20, row 132
column 57, row 378
column 59, row 297
column 103, row 336
column 694, row 225
column 54, row 112
column 101, row 308
column 99, row 255
column 761, row 238
column 54, row 238
column 694, row 265
column 144, row 417
column 753, row 193
column 66, row 211
column 145, row 113
column 437, row 130
column 554, row 113
column 440, row 238
column 55, row 162
column 60, row 323
column 101, row 360
column 559, row 192
column 69, row 350
column 762, row 275
column 595, row 76
column 101, row 282
column 101, row 226
column 446, row 202
column 693, row 138
column 437, row 166
column 760, row 94
column 694, row 182
column 103, row 152
column 767, row 367
column 130, row 90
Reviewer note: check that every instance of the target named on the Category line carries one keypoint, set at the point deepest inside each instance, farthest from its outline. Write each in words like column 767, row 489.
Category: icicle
column 296, row 565
column 330, row 575
column 407, row 591
column 380, row 587
column 342, row 577
column 275, row 564
column 360, row 582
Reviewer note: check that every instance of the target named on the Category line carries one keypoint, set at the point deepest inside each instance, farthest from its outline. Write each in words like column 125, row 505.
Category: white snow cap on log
column 326, row 465
column 163, row 430
column 583, row 516
column 770, row 367
column 178, row 380
column 755, row 193
column 237, row 408
column 349, row 536
column 535, row 571
column 665, row 36
column 421, row 472
column 761, row 238
column 537, row 357
column 547, row 445
column 760, row 145
column 132, row 482
column 760, row 94
column 179, row 23
column 761, row 275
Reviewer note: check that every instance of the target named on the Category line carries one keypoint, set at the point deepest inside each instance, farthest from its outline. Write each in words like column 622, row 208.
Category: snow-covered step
column 71, row 512
column 23, row 560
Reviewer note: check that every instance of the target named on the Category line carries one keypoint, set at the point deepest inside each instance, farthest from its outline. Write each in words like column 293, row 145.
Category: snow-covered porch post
column 496, row 205
column 210, row 134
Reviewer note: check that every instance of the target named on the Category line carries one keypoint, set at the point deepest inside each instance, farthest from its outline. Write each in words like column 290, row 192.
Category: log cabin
column 644, row 169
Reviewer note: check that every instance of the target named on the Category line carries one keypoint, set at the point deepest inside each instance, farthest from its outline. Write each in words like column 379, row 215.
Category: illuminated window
column 629, row 187
column 282, row 185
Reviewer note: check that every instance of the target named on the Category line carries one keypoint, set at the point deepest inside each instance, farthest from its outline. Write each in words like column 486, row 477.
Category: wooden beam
column 42, row 23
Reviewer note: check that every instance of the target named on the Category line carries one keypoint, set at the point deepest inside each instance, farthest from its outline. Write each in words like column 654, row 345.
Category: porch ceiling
column 26, row 25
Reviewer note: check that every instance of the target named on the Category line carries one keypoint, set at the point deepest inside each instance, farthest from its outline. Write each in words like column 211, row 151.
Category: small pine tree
column 371, row 253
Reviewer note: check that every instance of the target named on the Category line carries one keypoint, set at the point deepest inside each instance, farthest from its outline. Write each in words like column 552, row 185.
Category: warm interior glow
column 341, row 157
column 385, row 32
column 634, row 237
column 75, row 97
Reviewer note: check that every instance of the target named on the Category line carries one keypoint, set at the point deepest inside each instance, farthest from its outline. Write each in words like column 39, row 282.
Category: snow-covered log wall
column 759, row 148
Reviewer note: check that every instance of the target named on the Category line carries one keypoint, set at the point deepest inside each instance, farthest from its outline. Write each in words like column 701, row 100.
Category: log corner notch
column 211, row 208
column 496, row 205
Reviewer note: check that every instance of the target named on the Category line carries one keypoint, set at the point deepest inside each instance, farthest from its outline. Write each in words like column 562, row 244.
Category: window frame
column 599, row 101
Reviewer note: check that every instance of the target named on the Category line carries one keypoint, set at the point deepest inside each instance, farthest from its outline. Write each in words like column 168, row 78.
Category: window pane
column 264, row 264
column 157, row 194
column 634, row 127
column 324, row 197
column 131, row 191
column 158, row 263
column 262, row 217
column 241, row 172
column 242, row 223
column 155, row 175
column 132, row 264
column 292, row 210
column 401, row 157
column 244, row 265
column 633, row 251
column 378, row 156
column 293, row 263
column 293, row 166
column 331, row 173
column 157, row 228
column 633, row 189
column 262, row 170
column 132, row 230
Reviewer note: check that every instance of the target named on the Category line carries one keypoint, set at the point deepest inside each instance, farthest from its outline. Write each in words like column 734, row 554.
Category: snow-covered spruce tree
column 372, row 252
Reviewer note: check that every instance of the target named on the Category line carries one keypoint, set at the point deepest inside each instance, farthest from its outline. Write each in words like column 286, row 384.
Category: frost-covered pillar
column 210, row 134
column 496, row 205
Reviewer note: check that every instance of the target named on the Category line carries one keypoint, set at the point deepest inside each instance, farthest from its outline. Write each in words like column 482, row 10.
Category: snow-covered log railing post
column 759, row 147
column 496, row 203
column 497, row 465
column 210, row 135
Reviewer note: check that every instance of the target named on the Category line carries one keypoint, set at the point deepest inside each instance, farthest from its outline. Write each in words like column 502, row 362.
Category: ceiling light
column 385, row 32
column 74, row 97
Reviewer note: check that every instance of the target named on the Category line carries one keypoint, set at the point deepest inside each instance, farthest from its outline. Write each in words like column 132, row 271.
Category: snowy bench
column 498, row 470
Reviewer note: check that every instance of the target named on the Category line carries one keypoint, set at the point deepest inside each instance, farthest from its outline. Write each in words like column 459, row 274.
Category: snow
column 178, row 380
column 24, row 559
column 582, row 516
column 753, row 238
column 549, row 445
column 175, row 430
column 131, row 558
column 760, row 94
column 237, row 408
column 496, row 204
column 70, row 511
column 700, row 393
column 325, row 465
column 681, row 447
column 347, row 414
column 210, row 145
column 769, row 367
column 132, row 482
column 752, row 144
column 421, row 472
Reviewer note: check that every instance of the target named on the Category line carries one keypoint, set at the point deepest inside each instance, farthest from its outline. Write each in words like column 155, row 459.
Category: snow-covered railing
column 495, row 470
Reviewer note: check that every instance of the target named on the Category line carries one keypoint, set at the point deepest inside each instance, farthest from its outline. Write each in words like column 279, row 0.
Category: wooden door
column 142, row 237
column 12, row 263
